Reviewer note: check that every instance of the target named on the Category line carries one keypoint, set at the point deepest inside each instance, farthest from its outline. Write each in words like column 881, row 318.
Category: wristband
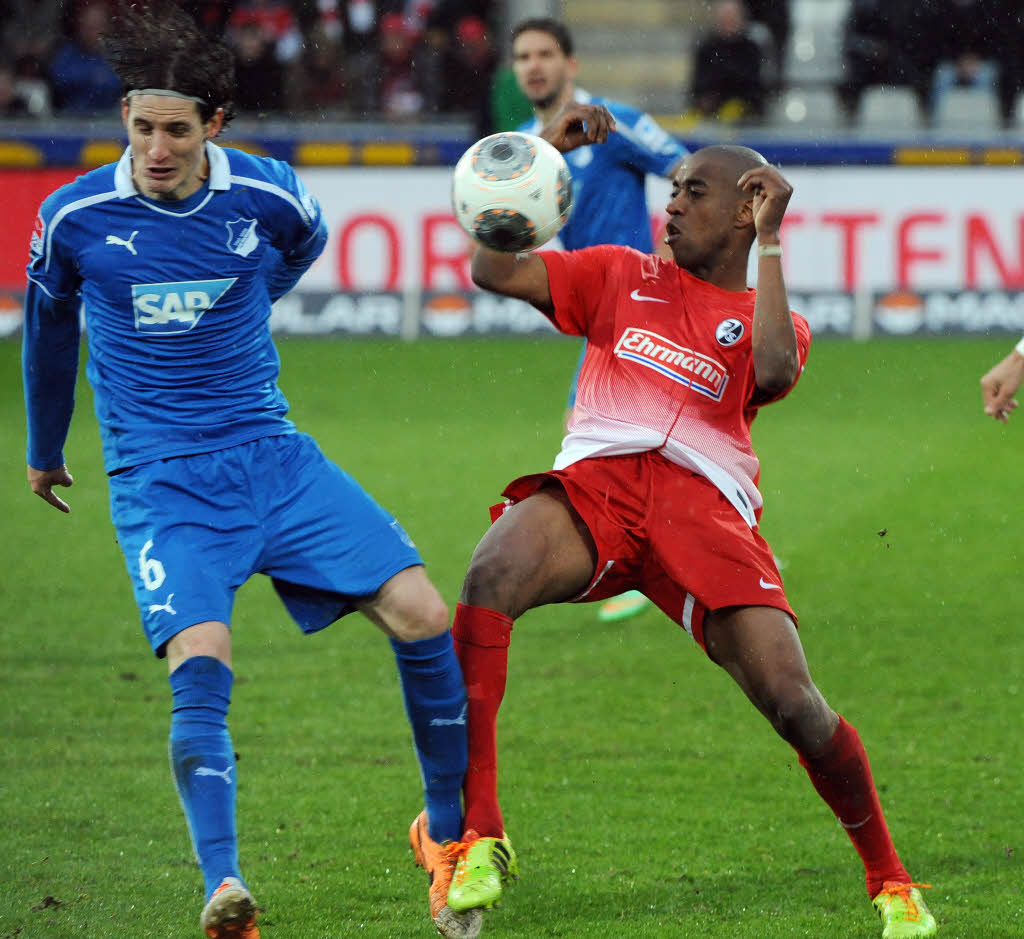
column 775, row 251
column 1020, row 347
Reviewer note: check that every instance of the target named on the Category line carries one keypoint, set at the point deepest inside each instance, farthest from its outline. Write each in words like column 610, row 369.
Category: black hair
column 544, row 24
column 158, row 45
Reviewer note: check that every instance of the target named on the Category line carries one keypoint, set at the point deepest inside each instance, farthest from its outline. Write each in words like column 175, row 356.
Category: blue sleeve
column 571, row 403
column 49, row 361
column 299, row 234
column 643, row 143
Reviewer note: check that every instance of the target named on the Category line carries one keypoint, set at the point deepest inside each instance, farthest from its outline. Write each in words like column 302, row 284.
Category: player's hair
column 158, row 45
column 544, row 24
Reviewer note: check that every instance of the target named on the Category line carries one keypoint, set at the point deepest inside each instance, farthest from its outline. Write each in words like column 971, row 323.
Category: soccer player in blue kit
column 610, row 204
column 176, row 252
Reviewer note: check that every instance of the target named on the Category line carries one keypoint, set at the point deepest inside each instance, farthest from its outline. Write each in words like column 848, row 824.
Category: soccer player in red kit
column 656, row 489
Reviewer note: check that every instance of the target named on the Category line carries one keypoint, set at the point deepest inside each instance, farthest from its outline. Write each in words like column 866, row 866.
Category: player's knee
column 424, row 618
column 488, row 583
column 798, row 713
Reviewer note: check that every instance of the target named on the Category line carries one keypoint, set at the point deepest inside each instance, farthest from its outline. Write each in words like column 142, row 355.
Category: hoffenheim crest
column 729, row 332
column 242, row 237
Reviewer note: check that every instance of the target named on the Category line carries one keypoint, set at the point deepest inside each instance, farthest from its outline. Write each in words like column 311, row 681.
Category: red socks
column 842, row 776
column 481, row 639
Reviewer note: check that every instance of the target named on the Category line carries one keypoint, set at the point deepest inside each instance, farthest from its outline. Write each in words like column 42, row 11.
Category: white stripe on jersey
column 277, row 191
column 67, row 210
column 149, row 204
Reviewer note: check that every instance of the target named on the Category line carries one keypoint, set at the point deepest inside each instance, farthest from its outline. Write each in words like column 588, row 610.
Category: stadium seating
column 967, row 110
column 887, row 109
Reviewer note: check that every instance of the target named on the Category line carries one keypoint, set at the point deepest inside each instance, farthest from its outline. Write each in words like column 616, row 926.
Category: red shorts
column 667, row 532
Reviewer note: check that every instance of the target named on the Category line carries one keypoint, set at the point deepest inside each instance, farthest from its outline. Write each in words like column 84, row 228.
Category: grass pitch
column 645, row 796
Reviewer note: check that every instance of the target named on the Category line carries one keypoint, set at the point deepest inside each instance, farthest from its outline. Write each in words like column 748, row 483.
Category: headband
column 165, row 92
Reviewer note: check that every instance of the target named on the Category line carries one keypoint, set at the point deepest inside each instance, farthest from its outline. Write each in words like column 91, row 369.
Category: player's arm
column 578, row 125
column 49, row 368
column 1000, row 383
column 283, row 269
column 299, row 233
column 775, row 351
column 524, row 276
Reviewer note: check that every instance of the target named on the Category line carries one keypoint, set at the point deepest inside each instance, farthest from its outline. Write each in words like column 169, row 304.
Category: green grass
column 644, row 794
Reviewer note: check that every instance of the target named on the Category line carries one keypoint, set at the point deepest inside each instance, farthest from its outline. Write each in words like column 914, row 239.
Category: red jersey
column 668, row 366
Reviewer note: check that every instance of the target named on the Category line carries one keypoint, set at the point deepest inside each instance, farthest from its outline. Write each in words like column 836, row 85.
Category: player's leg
column 760, row 649
column 332, row 549
column 203, row 763
column 184, row 560
column 537, row 552
column 410, row 610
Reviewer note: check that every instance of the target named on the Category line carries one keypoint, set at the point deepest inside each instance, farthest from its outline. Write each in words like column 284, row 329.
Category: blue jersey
column 608, row 179
column 177, row 298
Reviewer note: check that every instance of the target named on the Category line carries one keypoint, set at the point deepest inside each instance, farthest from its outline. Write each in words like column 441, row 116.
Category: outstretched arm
column 1000, row 383
column 524, row 276
column 776, row 355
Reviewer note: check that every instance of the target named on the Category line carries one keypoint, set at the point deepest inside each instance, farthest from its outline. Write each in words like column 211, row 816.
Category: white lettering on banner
column 945, row 313
column 825, row 312
column 847, row 228
column 313, row 314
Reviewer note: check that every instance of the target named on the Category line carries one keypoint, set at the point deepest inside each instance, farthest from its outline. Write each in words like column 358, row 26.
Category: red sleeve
column 577, row 281
column 803, row 346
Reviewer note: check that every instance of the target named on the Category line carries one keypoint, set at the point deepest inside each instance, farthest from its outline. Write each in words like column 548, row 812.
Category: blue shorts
column 193, row 529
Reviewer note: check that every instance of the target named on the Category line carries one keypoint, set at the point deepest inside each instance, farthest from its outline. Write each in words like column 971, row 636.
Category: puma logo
column 450, row 722
column 115, row 240
column 224, row 774
column 166, row 607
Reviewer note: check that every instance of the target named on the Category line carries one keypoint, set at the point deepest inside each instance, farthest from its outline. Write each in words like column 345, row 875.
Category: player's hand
column 578, row 125
column 999, row 384
column 43, row 481
column 771, row 196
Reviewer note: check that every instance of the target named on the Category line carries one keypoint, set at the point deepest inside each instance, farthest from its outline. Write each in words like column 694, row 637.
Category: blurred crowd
column 301, row 58
column 926, row 46
column 426, row 59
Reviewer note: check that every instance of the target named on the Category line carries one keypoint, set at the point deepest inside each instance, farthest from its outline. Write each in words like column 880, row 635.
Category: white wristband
column 771, row 251
column 1020, row 347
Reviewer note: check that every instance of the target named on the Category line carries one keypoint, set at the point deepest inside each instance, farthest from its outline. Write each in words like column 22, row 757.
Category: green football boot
column 484, row 866
column 903, row 913
column 623, row 606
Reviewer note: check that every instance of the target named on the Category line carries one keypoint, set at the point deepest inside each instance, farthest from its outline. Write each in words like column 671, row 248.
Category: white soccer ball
column 512, row 192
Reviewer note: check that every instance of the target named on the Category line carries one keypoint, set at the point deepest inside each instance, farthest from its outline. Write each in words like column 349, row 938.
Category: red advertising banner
column 847, row 229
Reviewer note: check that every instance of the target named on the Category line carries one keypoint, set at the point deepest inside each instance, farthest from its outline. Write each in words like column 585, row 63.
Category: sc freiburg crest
column 729, row 332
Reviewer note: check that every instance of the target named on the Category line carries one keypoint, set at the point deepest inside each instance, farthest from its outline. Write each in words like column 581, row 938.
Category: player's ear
column 744, row 213
column 214, row 124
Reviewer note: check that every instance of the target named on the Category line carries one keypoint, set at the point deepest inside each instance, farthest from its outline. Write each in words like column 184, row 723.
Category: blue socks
column 435, row 700
column 203, row 761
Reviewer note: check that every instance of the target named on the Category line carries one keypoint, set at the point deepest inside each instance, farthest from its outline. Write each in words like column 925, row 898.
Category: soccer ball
column 512, row 192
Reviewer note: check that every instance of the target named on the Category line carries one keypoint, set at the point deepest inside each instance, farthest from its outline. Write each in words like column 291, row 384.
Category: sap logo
column 175, row 307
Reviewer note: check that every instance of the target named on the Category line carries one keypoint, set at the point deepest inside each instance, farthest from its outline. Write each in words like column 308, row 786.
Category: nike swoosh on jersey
column 636, row 295
column 768, row 586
